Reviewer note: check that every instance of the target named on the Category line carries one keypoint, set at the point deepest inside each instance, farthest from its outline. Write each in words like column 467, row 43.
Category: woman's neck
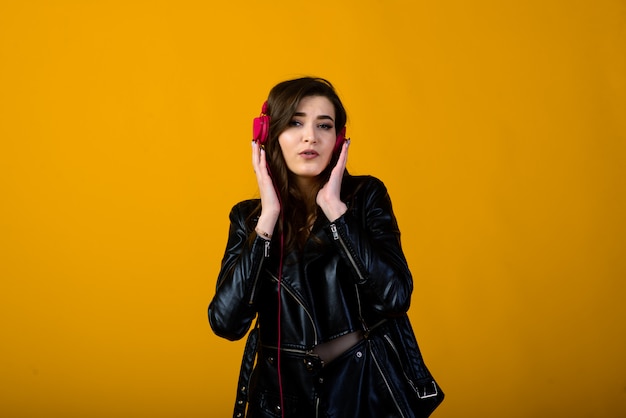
column 307, row 188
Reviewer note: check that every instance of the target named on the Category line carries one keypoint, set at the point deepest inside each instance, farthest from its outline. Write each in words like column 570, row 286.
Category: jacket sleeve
column 368, row 239
column 232, row 309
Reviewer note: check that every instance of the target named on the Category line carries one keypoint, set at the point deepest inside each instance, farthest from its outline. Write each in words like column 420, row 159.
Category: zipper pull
column 333, row 229
column 266, row 252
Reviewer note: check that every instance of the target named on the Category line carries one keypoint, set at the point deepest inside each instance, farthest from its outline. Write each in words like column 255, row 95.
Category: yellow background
column 499, row 129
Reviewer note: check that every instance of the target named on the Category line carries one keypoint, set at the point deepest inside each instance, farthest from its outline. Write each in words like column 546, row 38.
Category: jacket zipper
column 291, row 350
column 266, row 253
column 395, row 401
column 395, row 350
column 337, row 237
column 308, row 314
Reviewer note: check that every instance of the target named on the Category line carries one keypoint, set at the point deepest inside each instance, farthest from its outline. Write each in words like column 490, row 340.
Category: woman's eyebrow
column 319, row 117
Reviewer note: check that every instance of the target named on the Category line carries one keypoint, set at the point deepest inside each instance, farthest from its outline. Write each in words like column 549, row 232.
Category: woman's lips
column 308, row 154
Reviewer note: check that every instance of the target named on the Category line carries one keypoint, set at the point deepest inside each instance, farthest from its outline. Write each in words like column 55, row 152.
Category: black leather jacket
column 318, row 299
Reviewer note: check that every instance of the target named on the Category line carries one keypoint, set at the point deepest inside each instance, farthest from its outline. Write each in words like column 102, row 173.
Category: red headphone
column 261, row 129
column 261, row 126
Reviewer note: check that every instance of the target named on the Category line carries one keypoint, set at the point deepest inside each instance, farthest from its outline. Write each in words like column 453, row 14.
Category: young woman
column 318, row 259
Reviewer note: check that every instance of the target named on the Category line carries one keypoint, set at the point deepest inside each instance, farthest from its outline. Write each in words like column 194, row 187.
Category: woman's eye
column 294, row 122
column 325, row 126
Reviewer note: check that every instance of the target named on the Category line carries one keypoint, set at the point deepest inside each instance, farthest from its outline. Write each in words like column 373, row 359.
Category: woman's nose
column 309, row 134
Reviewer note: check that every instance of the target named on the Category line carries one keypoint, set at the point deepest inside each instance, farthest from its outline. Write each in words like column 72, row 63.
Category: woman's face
column 309, row 140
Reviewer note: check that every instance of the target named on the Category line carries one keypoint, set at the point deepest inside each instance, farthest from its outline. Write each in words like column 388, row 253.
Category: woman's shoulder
column 363, row 184
column 244, row 209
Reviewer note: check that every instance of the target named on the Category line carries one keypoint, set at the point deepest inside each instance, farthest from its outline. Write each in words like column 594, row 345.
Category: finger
column 263, row 162
column 343, row 157
column 344, row 150
column 255, row 155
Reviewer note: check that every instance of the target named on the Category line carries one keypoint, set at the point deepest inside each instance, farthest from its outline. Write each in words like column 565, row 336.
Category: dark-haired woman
column 315, row 258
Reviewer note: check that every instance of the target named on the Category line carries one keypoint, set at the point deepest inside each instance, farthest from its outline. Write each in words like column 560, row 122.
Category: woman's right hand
column 270, row 205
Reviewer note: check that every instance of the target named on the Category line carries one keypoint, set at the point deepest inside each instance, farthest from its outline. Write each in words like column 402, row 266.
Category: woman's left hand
column 328, row 198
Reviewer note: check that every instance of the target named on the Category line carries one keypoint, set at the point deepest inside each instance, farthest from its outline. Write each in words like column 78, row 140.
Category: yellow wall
column 499, row 128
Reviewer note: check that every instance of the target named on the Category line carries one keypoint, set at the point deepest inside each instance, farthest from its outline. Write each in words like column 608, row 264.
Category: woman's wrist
column 265, row 235
column 335, row 211
column 265, row 226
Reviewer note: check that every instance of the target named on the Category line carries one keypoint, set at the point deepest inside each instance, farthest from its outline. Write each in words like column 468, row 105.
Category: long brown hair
column 282, row 104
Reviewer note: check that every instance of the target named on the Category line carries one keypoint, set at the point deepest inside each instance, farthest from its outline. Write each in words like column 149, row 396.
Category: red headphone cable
column 280, row 278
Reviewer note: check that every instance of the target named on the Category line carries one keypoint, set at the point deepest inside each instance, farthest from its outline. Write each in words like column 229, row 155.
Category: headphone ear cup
column 261, row 129
column 341, row 138
column 261, row 126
